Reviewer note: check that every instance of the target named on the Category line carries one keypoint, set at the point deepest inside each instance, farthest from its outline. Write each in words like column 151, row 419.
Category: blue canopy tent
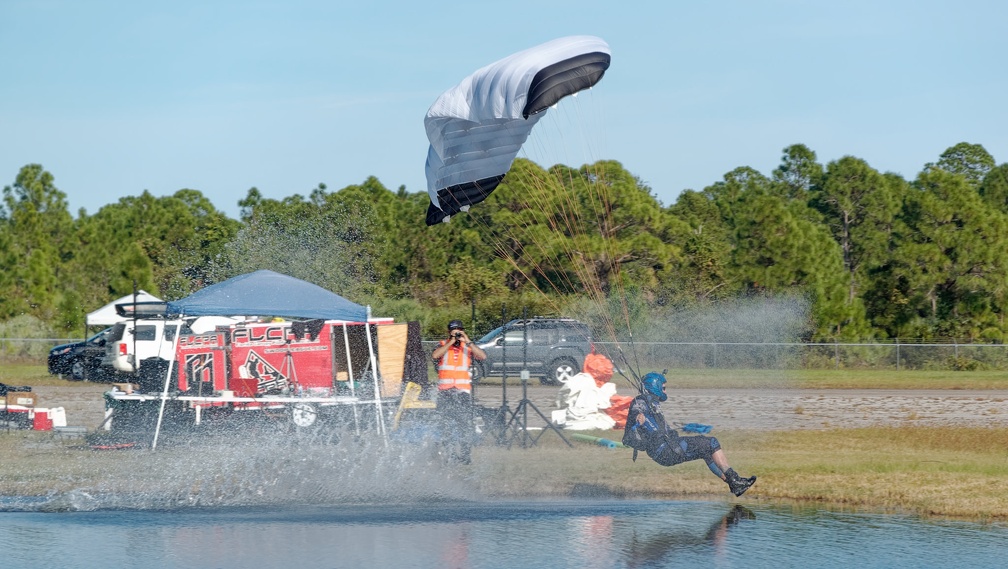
column 268, row 293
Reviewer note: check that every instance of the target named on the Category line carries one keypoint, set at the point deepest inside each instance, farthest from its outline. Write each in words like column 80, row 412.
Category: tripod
column 288, row 370
column 517, row 425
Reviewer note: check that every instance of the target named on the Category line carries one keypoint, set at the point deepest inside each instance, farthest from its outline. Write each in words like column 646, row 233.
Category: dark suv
column 81, row 360
column 552, row 348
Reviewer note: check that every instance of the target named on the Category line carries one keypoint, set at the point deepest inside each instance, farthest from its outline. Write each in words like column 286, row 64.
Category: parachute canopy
column 477, row 127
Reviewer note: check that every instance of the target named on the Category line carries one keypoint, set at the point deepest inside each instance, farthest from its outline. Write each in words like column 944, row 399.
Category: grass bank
column 954, row 472
column 945, row 472
column 931, row 472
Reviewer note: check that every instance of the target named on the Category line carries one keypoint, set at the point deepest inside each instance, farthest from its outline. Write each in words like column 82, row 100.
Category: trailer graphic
column 308, row 370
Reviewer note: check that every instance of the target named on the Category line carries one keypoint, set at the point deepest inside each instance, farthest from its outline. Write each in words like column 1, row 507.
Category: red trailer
column 292, row 358
column 303, row 370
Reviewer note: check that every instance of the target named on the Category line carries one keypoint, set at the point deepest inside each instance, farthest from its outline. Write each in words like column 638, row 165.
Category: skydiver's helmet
column 456, row 325
column 654, row 385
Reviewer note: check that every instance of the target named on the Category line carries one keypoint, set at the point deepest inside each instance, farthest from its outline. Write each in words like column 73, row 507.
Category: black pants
column 455, row 412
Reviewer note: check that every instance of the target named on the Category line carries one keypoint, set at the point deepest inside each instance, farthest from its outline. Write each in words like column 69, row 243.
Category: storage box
column 23, row 398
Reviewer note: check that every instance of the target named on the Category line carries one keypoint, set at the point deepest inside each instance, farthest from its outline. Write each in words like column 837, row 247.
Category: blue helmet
column 653, row 384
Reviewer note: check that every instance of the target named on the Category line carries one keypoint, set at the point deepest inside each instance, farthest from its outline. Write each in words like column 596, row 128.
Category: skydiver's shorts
column 685, row 449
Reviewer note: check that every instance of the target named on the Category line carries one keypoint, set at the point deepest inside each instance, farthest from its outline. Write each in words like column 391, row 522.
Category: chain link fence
column 29, row 350
column 894, row 355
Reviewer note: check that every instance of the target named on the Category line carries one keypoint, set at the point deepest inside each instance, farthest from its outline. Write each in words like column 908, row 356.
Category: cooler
column 41, row 420
column 58, row 417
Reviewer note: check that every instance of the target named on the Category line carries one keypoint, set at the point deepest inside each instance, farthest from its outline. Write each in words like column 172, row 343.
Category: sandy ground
column 788, row 409
column 745, row 409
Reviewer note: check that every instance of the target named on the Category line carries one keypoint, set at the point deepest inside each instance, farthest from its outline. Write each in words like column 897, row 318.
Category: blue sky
column 114, row 98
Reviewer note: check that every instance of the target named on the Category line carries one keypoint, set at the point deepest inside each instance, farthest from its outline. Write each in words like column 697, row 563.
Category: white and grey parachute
column 477, row 127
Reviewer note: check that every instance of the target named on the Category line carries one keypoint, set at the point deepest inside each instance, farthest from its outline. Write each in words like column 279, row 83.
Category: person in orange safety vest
column 453, row 359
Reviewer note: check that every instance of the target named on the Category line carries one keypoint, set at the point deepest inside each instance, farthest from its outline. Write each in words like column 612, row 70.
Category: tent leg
column 377, row 391
column 167, row 382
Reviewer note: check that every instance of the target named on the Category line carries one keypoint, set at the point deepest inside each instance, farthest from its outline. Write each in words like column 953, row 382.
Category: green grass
column 27, row 374
column 948, row 472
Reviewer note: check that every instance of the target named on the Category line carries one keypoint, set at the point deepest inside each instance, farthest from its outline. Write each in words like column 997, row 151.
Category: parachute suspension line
column 559, row 202
column 510, row 244
column 583, row 205
column 529, row 250
column 602, row 203
column 590, row 210
column 603, row 215
column 545, row 196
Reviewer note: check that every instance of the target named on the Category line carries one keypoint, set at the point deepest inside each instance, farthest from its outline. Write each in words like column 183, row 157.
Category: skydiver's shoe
column 736, row 483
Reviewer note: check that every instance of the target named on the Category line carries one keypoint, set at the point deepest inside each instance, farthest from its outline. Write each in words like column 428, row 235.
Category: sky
column 117, row 97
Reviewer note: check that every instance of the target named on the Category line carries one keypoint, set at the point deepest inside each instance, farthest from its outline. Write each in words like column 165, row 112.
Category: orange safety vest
column 453, row 368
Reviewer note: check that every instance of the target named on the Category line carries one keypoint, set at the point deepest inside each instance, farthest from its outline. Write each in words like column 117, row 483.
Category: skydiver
column 647, row 430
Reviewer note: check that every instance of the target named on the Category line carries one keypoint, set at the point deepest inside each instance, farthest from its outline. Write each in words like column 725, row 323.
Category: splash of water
column 743, row 332
column 236, row 470
column 750, row 319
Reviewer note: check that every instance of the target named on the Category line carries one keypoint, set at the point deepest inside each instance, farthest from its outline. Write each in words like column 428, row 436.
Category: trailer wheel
column 304, row 415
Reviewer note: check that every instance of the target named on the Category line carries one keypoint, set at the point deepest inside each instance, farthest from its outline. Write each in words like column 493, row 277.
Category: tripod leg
column 550, row 425
column 514, row 424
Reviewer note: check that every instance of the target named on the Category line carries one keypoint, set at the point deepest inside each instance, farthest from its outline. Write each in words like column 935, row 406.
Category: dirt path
column 751, row 409
column 787, row 409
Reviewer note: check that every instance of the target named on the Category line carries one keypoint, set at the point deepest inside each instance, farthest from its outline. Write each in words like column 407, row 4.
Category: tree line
column 864, row 254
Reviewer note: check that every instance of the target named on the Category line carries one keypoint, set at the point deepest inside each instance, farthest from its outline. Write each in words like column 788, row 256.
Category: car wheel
column 77, row 369
column 477, row 372
column 560, row 371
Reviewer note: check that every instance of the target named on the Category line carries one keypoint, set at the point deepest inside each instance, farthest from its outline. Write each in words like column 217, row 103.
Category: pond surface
column 571, row 533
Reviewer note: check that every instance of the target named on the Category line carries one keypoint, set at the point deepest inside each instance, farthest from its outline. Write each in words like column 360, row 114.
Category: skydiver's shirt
column 660, row 441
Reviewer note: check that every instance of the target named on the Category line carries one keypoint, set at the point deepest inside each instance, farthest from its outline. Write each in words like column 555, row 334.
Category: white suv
column 143, row 348
column 133, row 346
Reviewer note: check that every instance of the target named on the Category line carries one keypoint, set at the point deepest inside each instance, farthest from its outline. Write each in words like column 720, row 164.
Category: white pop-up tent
column 107, row 316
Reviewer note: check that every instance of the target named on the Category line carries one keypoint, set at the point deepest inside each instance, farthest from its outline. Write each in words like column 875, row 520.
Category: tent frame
column 286, row 401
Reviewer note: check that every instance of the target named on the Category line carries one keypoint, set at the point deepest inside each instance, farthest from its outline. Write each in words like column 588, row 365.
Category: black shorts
column 685, row 449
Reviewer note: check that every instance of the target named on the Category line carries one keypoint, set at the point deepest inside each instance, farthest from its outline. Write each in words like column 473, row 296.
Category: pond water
column 54, row 532
column 261, row 501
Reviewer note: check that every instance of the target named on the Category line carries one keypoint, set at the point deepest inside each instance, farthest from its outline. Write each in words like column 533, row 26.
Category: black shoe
column 737, row 484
